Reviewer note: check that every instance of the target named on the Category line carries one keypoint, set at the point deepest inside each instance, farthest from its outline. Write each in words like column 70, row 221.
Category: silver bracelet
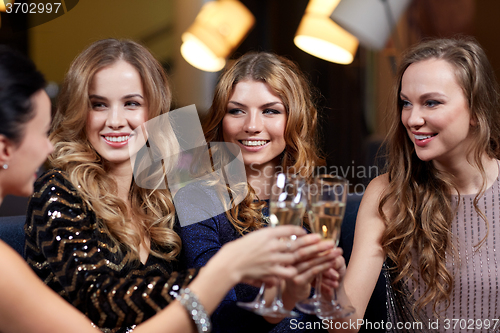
column 193, row 306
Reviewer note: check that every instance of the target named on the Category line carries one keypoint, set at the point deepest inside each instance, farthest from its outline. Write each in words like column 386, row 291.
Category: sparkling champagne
column 288, row 213
column 326, row 219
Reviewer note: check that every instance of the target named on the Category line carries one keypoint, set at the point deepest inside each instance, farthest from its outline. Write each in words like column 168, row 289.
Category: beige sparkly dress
column 475, row 298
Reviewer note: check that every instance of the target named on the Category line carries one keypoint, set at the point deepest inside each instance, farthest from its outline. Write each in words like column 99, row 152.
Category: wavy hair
column 153, row 210
column 423, row 219
column 301, row 154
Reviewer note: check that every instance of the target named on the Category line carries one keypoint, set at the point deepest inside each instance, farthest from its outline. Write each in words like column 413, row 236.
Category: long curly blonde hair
column 301, row 154
column 73, row 153
column 421, row 193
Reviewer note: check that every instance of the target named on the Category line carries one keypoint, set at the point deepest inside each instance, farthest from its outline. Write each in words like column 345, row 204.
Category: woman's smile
column 255, row 121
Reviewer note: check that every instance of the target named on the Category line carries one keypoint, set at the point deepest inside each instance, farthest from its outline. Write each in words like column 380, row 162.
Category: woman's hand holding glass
column 327, row 201
column 260, row 255
column 333, row 277
column 289, row 199
column 318, row 258
column 287, row 206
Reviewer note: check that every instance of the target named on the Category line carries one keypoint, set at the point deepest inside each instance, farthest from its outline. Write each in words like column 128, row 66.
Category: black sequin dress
column 73, row 256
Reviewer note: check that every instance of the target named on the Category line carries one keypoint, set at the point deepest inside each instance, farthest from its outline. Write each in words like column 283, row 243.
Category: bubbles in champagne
column 326, row 219
column 288, row 212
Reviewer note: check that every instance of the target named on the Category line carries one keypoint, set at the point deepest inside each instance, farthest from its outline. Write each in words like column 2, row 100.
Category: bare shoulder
column 368, row 254
column 374, row 193
column 13, row 264
column 23, row 292
column 370, row 225
column 378, row 185
column 8, row 255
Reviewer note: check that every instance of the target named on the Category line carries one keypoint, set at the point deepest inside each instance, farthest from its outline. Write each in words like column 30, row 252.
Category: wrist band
column 193, row 306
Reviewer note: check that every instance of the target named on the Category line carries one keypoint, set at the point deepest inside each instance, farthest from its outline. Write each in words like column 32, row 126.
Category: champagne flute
column 287, row 205
column 327, row 201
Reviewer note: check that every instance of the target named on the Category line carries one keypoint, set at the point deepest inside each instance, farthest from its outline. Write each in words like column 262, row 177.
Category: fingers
column 340, row 265
column 310, row 249
column 287, row 272
column 272, row 251
column 302, row 246
column 307, row 240
column 282, row 231
column 308, row 275
column 329, row 263
column 317, row 264
column 330, row 283
column 269, row 281
column 327, row 290
column 331, row 274
column 331, row 278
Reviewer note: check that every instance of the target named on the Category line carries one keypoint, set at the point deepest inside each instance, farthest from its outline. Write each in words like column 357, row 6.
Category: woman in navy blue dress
column 264, row 105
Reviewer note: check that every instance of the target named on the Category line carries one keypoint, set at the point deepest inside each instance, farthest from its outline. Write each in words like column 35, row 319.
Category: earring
column 5, row 166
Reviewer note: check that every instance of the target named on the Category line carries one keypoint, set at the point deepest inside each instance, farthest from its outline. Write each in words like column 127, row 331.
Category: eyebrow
column 133, row 95
column 97, row 97
column 425, row 96
column 262, row 106
column 124, row 97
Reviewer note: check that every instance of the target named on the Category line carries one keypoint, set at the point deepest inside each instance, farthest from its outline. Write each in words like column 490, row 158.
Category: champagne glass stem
column 260, row 296
column 258, row 303
column 311, row 305
column 317, row 289
column 277, row 308
column 278, row 300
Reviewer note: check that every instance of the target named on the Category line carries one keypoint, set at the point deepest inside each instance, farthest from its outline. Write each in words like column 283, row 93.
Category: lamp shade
column 369, row 20
column 3, row 4
column 318, row 35
column 216, row 32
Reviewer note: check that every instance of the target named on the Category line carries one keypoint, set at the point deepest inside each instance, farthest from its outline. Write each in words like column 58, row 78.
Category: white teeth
column 117, row 138
column 422, row 137
column 253, row 143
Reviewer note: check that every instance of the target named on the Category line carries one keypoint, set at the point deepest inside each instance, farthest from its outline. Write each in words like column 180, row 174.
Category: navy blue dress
column 201, row 240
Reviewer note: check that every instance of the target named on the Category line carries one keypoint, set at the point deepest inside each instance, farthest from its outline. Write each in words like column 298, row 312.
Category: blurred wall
column 53, row 45
column 486, row 28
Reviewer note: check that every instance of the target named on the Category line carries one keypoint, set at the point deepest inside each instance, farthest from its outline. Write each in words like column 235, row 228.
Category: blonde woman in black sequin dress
column 432, row 219
column 103, row 243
